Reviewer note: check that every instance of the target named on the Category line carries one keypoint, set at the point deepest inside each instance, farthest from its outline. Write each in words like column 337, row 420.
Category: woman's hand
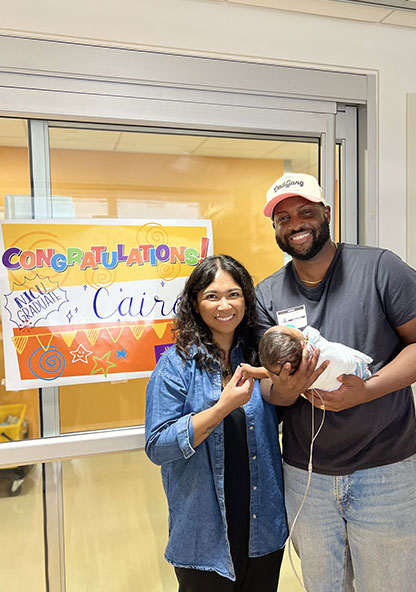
column 236, row 393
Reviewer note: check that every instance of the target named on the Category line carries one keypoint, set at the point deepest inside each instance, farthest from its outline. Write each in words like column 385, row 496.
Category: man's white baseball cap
column 290, row 185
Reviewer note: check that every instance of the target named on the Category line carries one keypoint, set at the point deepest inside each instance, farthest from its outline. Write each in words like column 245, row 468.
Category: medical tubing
column 310, row 466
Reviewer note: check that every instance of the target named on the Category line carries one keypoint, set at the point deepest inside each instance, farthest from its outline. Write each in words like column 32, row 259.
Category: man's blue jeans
column 356, row 532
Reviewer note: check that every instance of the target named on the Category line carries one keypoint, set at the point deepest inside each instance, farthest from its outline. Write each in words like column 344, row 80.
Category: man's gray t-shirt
column 366, row 293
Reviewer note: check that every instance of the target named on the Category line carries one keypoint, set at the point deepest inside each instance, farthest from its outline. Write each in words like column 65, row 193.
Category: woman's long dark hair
column 190, row 330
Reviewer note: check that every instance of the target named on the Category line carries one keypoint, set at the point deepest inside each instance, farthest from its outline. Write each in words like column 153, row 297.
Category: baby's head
column 279, row 345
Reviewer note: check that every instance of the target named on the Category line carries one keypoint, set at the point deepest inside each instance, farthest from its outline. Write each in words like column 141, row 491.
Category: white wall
column 212, row 27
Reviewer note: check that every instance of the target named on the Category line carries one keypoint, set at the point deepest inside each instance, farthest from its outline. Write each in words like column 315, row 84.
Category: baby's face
column 278, row 368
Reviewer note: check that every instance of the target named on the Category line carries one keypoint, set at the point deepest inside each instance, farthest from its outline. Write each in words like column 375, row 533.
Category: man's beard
column 319, row 238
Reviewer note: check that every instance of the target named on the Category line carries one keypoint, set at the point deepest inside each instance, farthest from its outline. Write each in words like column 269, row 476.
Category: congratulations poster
column 90, row 301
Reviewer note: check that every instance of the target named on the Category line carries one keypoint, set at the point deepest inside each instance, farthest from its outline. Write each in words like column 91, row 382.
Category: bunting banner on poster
column 85, row 301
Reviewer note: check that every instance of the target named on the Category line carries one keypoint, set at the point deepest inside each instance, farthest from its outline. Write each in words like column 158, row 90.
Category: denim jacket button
column 254, row 457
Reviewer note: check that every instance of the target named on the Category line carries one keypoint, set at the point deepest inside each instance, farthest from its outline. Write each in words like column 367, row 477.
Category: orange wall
column 15, row 175
column 15, row 180
column 229, row 191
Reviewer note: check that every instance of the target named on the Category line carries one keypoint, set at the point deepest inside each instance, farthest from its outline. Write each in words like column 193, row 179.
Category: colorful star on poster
column 121, row 353
column 80, row 354
column 105, row 367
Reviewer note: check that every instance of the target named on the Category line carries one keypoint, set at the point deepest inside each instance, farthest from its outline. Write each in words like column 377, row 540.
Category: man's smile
column 300, row 237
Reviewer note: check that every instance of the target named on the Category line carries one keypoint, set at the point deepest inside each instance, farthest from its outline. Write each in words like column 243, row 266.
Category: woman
column 217, row 440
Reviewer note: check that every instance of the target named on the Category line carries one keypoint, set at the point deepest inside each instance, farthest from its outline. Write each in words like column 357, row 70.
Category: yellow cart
column 10, row 432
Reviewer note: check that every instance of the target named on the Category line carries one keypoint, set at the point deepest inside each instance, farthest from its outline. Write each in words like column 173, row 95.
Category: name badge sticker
column 295, row 317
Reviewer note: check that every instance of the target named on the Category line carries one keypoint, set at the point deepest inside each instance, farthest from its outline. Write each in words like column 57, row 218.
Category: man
column 357, row 527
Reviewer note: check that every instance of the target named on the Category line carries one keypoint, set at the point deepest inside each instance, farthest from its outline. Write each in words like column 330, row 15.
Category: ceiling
column 387, row 12
column 300, row 156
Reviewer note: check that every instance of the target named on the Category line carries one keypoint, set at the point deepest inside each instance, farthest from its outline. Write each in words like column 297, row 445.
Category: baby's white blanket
column 343, row 360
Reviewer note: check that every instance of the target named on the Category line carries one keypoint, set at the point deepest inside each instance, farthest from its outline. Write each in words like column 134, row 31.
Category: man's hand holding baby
column 286, row 387
column 352, row 392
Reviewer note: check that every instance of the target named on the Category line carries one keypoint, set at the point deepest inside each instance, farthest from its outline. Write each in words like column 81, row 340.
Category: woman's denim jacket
column 194, row 478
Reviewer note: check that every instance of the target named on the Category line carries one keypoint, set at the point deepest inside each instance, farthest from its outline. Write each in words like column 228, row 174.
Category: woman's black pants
column 254, row 574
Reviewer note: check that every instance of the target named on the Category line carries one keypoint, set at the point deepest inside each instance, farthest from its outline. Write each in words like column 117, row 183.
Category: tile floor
column 115, row 529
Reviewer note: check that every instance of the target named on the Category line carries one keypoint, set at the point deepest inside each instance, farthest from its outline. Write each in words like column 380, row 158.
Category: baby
column 281, row 344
